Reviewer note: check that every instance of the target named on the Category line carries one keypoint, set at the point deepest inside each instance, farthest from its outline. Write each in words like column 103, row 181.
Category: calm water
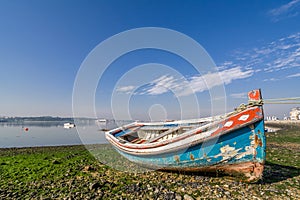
column 50, row 133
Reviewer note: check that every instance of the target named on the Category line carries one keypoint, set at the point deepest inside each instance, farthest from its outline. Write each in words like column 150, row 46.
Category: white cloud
column 294, row 75
column 225, row 65
column 162, row 85
column 285, row 11
column 262, row 51
column 206, row 82
column 294, row 36
column 271, row 79
column 288, row 58
column 198, row 83
column 284, row 8
column 210, row 80
column 235, row 73
column 125, row 89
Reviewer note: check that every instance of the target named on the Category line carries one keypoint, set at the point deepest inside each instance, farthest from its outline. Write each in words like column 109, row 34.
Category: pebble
column 94, row 186
column 178, row 197
column 187, row 197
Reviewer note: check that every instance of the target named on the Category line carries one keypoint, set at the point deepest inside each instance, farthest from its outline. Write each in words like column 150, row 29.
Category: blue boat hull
column 244, row 145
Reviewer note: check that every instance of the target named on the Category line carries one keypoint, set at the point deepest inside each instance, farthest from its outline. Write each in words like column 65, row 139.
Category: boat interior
column 141, row 134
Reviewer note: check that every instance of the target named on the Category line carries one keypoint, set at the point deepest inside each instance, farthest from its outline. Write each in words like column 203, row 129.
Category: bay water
column 51, row 134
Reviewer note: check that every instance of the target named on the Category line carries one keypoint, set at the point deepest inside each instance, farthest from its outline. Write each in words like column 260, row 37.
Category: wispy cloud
column 162, row 85
column 194, row 84
column 239, row 95
column 278, row 55
column 294, row 75
column 210, row 80
column 285, row 11
column 225, row 65
column 271, row 79
column 126, row 89
column 282, row 54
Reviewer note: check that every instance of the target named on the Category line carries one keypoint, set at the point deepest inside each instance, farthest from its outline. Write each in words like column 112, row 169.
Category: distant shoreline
column 41, row 119
column 283, row 122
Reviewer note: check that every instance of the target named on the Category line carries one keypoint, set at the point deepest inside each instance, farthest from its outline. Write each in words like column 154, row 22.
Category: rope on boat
column 290, row 100
column 274, row 102
column 283, row 99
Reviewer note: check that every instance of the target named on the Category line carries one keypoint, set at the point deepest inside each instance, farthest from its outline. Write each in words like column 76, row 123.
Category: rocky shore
column 72, row 172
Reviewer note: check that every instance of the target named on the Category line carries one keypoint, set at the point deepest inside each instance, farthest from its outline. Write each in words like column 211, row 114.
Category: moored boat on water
column 232, row 144
column 69, row 125
column 101, row 120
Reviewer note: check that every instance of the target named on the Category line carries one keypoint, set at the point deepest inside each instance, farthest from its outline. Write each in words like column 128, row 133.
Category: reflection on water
column 49, row 133
column 33, row 123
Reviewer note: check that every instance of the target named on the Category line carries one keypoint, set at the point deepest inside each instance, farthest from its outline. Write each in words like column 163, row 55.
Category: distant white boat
column 69, row 125
column 101, row 120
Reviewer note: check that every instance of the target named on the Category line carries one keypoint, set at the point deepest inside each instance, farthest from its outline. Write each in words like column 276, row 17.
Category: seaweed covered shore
column 72, row 172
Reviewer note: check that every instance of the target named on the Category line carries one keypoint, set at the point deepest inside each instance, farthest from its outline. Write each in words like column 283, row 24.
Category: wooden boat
column 232, row 144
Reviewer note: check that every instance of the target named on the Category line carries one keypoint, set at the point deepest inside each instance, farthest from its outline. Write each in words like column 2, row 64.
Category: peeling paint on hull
column 248, row 171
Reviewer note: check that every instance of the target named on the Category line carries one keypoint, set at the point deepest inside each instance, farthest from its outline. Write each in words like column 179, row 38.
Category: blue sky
column 254, row 44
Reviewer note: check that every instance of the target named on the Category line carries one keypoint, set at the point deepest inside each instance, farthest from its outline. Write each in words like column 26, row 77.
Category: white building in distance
column 295, row 113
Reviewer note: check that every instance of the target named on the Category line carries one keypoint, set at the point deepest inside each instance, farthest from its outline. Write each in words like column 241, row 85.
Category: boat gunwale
column 150, row 147
column 139, row 152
